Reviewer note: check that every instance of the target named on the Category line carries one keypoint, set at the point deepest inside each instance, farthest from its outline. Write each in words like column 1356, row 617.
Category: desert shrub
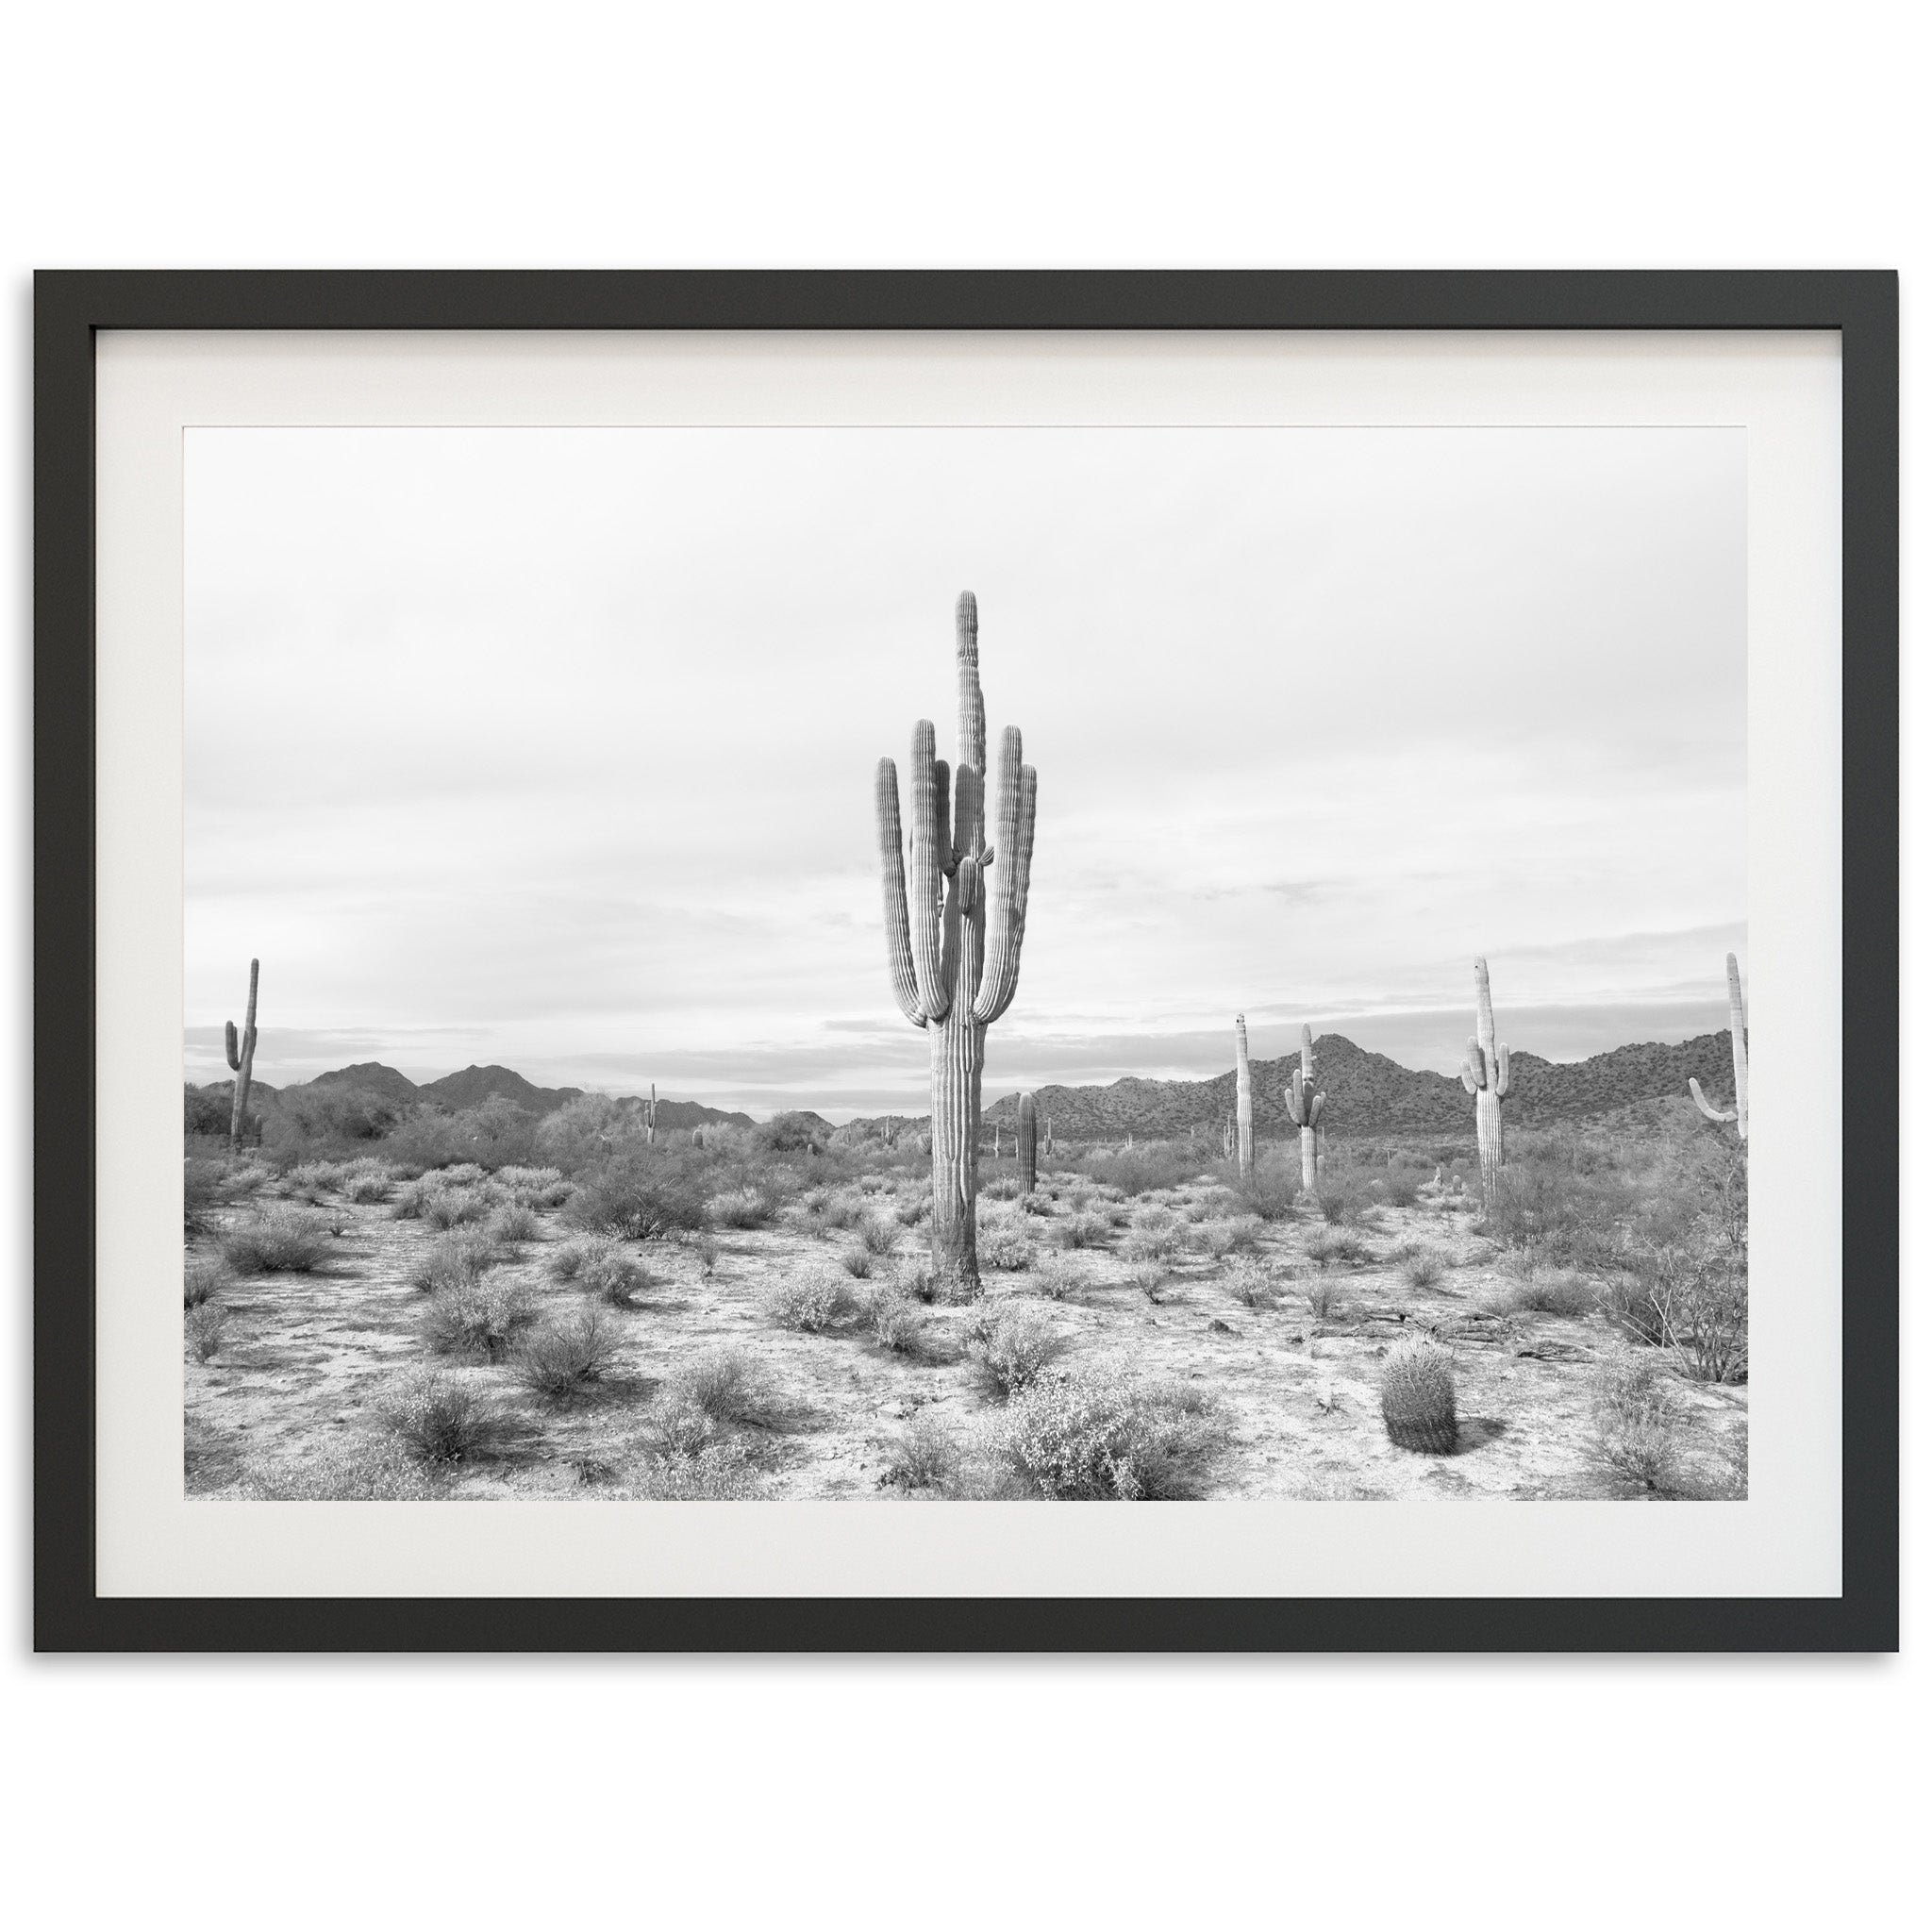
column 1423, row 1269
column 1400, row 1188
column 1105, row 1436
column 896, row 1321
column 911, row 1212
column 747, row 1208
column 445, row 1208
column 599, row 1265
column 857, row 1261
column 1003, row 1186
column 811, row 1303
column 207, row 1110
column 352, row 1472
column 1636, row 1424
column 1011, row 1345
column 1055, row 1276
column 1419, row 1396
column 478, row 1318
column 568, row 1259
column 843, row 1211
column 279, row 1241
column 456, row 1260
column 369, row 1184
column 794, row 1133
column 1324, row 1299
column 705, row 1247
column 1219, row 1239
column 1269, row 1193
column 514, row 1225
column 202, row 1277
column 589, row 1130
column 1248, row 1280
column 1571, row 1209
column 1542, row 1289
column 201, row 1187
column 1149, row 1278
column 566, row 1359
column 439, row 1417
column 643, row 1194
column 727, row 1386
column 926, row 1457
column 207, row 1324
column 1156, row 1236
column 1084, row 1230
column 535, row 1187
column 1332, row 1246
column 877, row 1236
column 309, row 1180
column 1694, row 1301
column 1143, row 1170
column 1003, row 1244
column 914, row 1275
column 714, row 1473
column 1342, row 1202
column 309, row 1117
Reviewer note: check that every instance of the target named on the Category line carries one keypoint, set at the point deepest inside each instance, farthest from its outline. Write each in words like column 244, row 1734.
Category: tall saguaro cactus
column 651, row 1116
column 1028, row 1142
column 1487, row 1076
column 241, row 1059
column 954, row 929
column 1243, row 1099
column 1305, row 1108
column 1741, row 1070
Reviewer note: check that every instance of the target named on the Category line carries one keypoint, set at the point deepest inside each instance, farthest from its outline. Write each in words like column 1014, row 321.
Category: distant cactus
column 241, row 1059
column 1741, row 1070
column 1304, row 1109
column 1419, row 1396
column 651, row 1116
column 1487, row 1076
column 953, row 959
column 1028, row 1138
column 1243, row 1099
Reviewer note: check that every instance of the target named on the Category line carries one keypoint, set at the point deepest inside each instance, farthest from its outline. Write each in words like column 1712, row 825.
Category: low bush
column 1055, row 1276
column 714, row 1473
column 910, row 1213
column 352, row 1472
column 201, row 1189
column 1106, row 1437
column 926, row 1457
column 453, row 1260
column 567, row 1359
column 1324, row 1299
column 857, row 1261
column 445, row 1208
column 279, row 1241
column 1084, row 1230
column 1156, row 1236
column 439, row 1417
column 880, row 1237
column 915, row 1277
column 1011, row 1345
column 1637, row 1425
column 811, row 1303
column 514, row 1225
column 728, row 1386
column 202, row 1277
column 1269, row 1193
column 896, row 1321
column 1342, row 1204
column 1219, row 1239
column 1248, row 1280
column 481, row 1319
column 1423, row 1269
column 1003, row 1244
column 207, row 1325
column 1694, row 1301
column 643, row 1196
column 743, row 1207
column 1150, row 1278
column 705, row 1247
column 1331, row 1246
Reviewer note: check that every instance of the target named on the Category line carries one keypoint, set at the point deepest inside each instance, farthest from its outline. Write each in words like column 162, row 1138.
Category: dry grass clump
column 454, row 1260
column 896, row 1321
column 1637, row 1426
column 926, row 1457
column 602, row 1267
column 535, row 1187
column 715, row 1473
column 1156, row 1236
column 207, row 1326
column 1247, row 1278
column 279, row 1241
column 743, row 1207
column 877, row 1237
column 1004, row 1244
column 1084, row 1229
column 567, row 1359
column 909, row 1213
column 1011, row 1345
column 514, row 1224
column 1423, row 1269
column 1056, row 1277
column 355, row 1472
column 1150, row 1278
column 1218, row 1240
column 368, row 1183
column 1107, row 1436
column 811, row 1303
column 439, row 1417
column 481, row 1319
column 727, row 1385
column 857, row 1261
column 1324, row 1299
column 203, row 1276
column 1538, row 1289
column 1332, row 1248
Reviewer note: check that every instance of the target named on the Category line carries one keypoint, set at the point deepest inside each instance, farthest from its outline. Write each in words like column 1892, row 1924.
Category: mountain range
column 475, row 1085
column 1369, row 1094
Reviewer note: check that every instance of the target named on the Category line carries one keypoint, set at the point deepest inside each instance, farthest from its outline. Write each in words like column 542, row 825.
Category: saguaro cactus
column 1243, row 1099
column 241, row 1059
column 1304, row 1109
column 651, row 1116
column 1741, row 1070
column 1487, row 1076
column 1028, row 1145
column 953, row 958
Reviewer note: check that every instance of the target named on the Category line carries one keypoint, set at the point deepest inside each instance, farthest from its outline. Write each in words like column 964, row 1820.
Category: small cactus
column 1304, row 1109
column 651, row 1116
column 1027, row 1142
column 1739, row 1063
column 1243, row 1099
column 241, row 1059
column 1419, row 1396
column 1487, row 1076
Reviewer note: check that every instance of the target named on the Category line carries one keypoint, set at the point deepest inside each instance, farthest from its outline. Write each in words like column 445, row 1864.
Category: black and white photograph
column 899, row 964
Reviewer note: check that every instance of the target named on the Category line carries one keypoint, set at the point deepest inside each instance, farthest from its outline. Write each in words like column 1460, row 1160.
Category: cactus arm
column 1485, row 1012
column 1293, row 1097
column 1011, row 863
column 927, row 883
column 1708, row 1111
column 1476, row 1074
column 892, row 883
column 1502, row 1072
column 971, row 706
column 1315, row 1106
column 234, row 1046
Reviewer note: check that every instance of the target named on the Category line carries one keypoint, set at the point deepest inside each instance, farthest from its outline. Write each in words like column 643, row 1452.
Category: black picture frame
column 72, row 307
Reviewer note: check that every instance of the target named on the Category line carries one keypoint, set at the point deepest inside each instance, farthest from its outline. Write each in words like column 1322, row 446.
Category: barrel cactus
column 1739, row 1064
column 1419, row 1396
column 1487, row 1076
column 1243, row 1099
column 1304, row 1109
column 954, row 931
column 241, row 1059
column 1027, row 1142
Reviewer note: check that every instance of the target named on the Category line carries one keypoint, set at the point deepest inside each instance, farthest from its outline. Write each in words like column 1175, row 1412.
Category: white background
column 408, row 1791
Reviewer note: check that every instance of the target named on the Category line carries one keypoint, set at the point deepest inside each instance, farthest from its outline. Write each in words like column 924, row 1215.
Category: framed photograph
column 736, row 933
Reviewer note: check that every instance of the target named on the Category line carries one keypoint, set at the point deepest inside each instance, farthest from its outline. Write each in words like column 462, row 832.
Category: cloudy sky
column 555, row 747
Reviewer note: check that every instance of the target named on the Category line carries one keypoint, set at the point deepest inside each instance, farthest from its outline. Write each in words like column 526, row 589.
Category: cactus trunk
column 1304, row 1109
column 1243, row 1101
column 241, row 1059
column 1741, row 1070
column 1486, row 1077
column 1027, row 1143
column 953, row 940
